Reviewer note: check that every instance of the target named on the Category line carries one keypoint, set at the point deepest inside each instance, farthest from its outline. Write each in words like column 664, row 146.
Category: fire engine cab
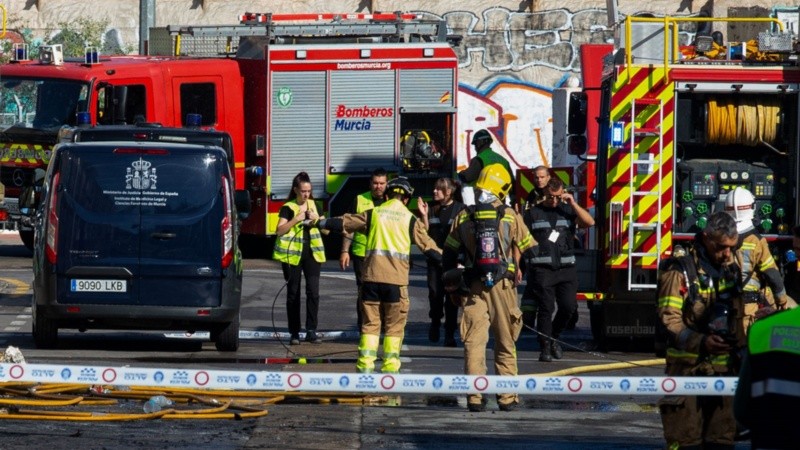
column 682, row 118
column 334, row 95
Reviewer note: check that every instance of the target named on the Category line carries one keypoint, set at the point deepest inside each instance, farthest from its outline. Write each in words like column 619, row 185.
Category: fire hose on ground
column 221, row 404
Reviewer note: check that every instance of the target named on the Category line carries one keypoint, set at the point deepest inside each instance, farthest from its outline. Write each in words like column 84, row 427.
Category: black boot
column 433, row 331
column 556, row 350
column 546, row 354
column 573, row 321
column 449, row 336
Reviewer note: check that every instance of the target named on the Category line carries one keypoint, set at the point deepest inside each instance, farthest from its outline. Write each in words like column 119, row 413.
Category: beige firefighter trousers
column 494, row 309
column 394, row 315
column 697, row 420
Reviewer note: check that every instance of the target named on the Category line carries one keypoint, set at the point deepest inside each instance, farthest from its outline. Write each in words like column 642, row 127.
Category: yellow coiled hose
column 745, row 121
column 221, row 404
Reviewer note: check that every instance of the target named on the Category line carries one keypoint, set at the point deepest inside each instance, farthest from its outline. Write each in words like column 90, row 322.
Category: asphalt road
column 412, row 421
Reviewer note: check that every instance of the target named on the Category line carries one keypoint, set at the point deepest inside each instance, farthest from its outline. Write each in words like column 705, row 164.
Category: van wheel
column 45, row 331
column 226, row 339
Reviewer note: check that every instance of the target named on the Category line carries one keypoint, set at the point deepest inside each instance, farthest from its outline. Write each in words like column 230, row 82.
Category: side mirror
column 576, row 121
column 241, row 198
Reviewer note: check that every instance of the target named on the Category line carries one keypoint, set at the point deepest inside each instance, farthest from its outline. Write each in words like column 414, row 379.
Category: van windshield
column 43, row 103
column 173, row 182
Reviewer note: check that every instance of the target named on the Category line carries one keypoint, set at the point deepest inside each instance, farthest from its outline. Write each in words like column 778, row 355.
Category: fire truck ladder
column 294, row 28
column 644, row 165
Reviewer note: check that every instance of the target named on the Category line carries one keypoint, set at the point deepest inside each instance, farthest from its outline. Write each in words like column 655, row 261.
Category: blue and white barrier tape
column 268, row 335
column 375, row 383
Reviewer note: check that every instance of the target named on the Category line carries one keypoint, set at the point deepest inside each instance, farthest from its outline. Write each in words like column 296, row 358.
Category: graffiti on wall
column 511, row 41
column 517, row 114
column 519, row 59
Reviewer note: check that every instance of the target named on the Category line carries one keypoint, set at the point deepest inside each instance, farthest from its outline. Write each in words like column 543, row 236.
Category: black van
column 138, row 235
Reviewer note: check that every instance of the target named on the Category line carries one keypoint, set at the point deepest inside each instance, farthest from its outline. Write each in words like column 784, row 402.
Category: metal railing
column 671, row 32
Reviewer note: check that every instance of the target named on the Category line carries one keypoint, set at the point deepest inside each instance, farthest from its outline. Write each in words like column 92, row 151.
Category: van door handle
column 163, row 236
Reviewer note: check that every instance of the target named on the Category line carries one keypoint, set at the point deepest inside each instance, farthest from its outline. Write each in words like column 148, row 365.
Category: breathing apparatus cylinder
column 487, row 248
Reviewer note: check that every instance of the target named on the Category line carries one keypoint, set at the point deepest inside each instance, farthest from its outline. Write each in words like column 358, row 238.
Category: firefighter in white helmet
column 763, row 289
column 391, row 229
column 489, row 236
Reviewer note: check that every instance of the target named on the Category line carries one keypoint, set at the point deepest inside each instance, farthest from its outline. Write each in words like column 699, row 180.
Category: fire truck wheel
column 27, row 238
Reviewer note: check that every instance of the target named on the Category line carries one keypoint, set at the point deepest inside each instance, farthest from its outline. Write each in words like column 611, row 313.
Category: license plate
column 98, row 286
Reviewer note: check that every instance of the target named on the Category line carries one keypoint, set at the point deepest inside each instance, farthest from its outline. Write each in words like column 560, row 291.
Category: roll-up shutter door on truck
column 362, row 121
column 297, row 131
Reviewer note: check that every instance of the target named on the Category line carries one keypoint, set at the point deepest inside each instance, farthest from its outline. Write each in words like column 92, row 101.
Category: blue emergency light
column 617, row 134
column 91, row 56
column 83, row 118
column 20, row 52
column 194, row 120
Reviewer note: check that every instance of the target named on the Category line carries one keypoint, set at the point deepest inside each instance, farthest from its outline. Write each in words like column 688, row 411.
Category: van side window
column 122, row 105
column 199, row 98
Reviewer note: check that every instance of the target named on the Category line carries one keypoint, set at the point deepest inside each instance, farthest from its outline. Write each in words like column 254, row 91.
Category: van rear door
column 140, row 225
column 181, row 228
column 98, row 224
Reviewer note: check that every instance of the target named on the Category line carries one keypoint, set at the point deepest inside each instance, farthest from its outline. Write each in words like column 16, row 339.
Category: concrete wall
column 513, row 53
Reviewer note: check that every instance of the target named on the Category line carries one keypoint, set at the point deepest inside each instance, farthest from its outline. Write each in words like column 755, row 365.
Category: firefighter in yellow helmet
column 484, row 157
column 490, row 237
column 390, row 230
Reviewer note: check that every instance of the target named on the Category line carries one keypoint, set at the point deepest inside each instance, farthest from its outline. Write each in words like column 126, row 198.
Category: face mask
column 486, row 197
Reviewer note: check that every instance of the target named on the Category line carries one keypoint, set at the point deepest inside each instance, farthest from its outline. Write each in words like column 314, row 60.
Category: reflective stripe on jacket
column 289, row 247
column 543, row 222
column 686, row 317
column 388, row 233
column 774, row 366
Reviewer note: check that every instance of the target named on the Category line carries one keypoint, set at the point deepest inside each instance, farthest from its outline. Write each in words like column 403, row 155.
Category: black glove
column 434, row 257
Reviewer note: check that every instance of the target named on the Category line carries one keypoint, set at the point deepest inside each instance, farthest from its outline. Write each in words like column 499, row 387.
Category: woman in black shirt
column 438, row 217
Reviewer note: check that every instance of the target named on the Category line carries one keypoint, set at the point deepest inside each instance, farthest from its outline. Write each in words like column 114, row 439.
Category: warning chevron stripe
column 644, row 82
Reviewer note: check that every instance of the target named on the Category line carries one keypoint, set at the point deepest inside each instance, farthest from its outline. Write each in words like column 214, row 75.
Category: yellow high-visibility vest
column 363, row 203
column 389, row 231
column 289, row 247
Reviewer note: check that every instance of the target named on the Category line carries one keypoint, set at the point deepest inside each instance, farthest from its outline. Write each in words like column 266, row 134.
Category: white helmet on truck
column 741, row 205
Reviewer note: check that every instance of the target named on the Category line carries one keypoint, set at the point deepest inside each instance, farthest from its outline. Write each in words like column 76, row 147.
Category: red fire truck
column 679, row 125
column 334, row 95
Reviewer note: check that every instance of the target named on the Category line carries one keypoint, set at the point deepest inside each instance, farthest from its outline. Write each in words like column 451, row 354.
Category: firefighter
column 758, row 267
column 484, row 156
column 357, row 242
column 769, row 383
column 301, row 252
column 552, row 274
column 489, row 236
column 390, row 229
column 696, row 294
